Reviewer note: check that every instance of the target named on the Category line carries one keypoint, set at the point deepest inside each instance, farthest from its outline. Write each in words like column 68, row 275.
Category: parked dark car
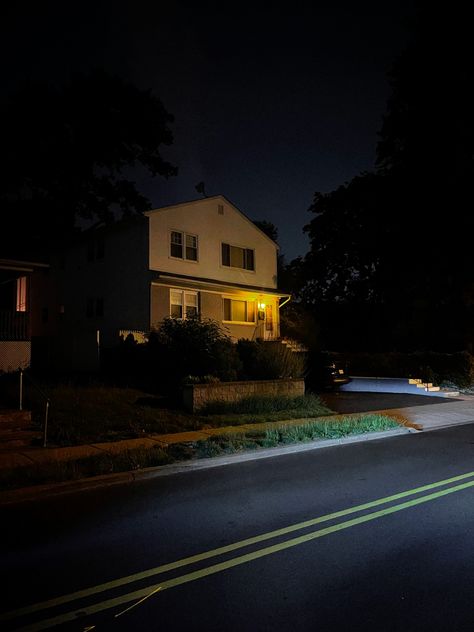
column 324, row 373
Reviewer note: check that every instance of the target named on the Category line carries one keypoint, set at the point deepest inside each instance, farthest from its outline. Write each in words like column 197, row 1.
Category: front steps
column 427, row 386
column 293, row 345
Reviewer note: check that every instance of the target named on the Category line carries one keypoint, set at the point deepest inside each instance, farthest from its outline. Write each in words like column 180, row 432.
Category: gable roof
column 213, row 197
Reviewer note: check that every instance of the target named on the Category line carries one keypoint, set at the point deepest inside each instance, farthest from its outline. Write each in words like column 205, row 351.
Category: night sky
column 271, row 103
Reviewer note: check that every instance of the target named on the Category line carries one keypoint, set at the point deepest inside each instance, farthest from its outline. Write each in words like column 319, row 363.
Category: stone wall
column 196, row 396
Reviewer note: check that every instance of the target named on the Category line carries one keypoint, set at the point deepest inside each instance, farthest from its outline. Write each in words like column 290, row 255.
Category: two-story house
column 203, row 257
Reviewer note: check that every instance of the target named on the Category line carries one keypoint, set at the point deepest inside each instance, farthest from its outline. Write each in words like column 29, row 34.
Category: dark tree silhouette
column 66, row 151
column 393, row 247
column 268, row 228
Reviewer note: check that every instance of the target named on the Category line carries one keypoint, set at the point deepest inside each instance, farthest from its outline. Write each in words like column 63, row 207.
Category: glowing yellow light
column 261, row 306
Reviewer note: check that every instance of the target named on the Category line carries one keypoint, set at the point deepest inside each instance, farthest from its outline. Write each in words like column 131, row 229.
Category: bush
column 269, row 361
column 191, row 347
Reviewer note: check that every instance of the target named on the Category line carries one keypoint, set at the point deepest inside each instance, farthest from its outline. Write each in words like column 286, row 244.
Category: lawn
column 94, row 413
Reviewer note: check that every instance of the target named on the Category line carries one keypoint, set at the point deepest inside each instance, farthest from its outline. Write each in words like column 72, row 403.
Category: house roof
column 212, row 197
column 21, row 266
column 184, row 281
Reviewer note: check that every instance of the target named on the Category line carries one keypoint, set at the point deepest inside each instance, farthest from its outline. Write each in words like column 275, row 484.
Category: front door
column 268, row 322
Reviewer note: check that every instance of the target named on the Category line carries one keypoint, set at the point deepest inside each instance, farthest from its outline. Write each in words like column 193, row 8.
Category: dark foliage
column 191, row 347
column 391, row 263
column 269, row 361
column 457, row 368
column 67, row 152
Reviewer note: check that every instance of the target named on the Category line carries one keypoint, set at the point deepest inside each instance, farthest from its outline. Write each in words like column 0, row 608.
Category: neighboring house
column 24, row 303
column 203, row 258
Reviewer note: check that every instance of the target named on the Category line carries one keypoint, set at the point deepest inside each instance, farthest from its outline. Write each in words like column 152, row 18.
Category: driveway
column 359, row 402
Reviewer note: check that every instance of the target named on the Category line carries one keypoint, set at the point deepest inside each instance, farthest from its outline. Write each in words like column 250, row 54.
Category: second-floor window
column 183, row 245
column 236, row 257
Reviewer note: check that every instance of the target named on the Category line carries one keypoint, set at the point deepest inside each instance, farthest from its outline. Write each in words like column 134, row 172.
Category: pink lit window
column 21, row 294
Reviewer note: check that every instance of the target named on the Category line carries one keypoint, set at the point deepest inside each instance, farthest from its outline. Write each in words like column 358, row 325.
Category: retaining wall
column 196, row 396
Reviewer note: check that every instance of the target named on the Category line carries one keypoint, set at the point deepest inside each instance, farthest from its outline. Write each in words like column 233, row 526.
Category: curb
column 108, row 480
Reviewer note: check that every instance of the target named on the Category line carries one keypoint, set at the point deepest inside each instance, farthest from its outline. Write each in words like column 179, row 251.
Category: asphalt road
column 403, row 563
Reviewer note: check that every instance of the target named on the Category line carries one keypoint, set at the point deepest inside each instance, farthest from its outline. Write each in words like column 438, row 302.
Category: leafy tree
column 392, row 248
column 268, row 228
column 68, row 151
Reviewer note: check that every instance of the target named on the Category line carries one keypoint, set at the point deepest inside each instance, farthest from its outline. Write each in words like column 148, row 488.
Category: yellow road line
column 158, row 570
column 237, row 561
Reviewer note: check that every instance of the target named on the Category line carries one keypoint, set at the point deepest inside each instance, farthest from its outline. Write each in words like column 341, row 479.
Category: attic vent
column 220, row 209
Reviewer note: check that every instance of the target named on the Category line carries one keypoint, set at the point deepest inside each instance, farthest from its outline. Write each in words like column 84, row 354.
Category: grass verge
column 216, row 445
column 93, row 414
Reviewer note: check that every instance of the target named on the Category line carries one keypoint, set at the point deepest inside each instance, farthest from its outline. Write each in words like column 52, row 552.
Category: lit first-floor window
column 239, row 311
column 183, row 304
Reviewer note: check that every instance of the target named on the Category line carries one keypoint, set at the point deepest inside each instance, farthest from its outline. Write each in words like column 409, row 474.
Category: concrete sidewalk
column 36, row 456
column 435, row 416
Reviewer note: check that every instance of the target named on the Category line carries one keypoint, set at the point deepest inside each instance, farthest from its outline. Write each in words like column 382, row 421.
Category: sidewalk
column 415, row 418
column 36, row 455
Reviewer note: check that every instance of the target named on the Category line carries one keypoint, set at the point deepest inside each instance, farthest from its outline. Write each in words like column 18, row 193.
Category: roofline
column 212, row 197
column 168, row 277
column 21, row 265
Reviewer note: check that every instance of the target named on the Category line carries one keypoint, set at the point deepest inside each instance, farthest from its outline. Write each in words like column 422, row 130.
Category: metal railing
column 14, row 325
column 43, row 394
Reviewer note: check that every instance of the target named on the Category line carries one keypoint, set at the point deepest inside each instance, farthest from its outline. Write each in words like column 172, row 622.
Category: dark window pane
column 237, row 257
column 90, row 308
column 249, row 260
column 225, row 255
column 176, row 244
column 176, row 311
column 99, row 307
column 191, row 247
column 191, row 311
column 227, row 309
column 100, row 247
column 176, row 251
column 90, row 251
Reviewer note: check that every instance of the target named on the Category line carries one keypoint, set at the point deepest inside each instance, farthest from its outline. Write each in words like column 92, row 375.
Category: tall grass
column 259, row 404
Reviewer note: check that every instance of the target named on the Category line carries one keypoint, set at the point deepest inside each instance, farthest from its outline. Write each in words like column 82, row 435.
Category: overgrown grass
column 334, row 428
column 260, row 409
column 259, row 404
column 94, row 413
column 216, row 445
column 90, row 414
column 61, row 471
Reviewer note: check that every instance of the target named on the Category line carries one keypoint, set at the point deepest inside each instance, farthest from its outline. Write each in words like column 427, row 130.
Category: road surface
column 374, row 536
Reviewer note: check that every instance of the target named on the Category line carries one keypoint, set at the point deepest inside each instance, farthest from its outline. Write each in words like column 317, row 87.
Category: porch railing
column 14, row 325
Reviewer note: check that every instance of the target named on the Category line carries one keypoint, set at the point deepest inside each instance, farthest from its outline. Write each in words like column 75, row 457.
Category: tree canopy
column 68, row 151
column 393, row 247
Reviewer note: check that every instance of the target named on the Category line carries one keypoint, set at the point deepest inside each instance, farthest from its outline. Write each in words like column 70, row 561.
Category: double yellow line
column 143, row 593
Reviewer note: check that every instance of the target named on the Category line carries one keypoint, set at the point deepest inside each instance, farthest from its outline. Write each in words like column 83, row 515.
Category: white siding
column 203, row 219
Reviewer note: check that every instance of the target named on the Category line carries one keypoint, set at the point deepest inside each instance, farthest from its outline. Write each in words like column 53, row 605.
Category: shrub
column 269, row 360
column 191, row 347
